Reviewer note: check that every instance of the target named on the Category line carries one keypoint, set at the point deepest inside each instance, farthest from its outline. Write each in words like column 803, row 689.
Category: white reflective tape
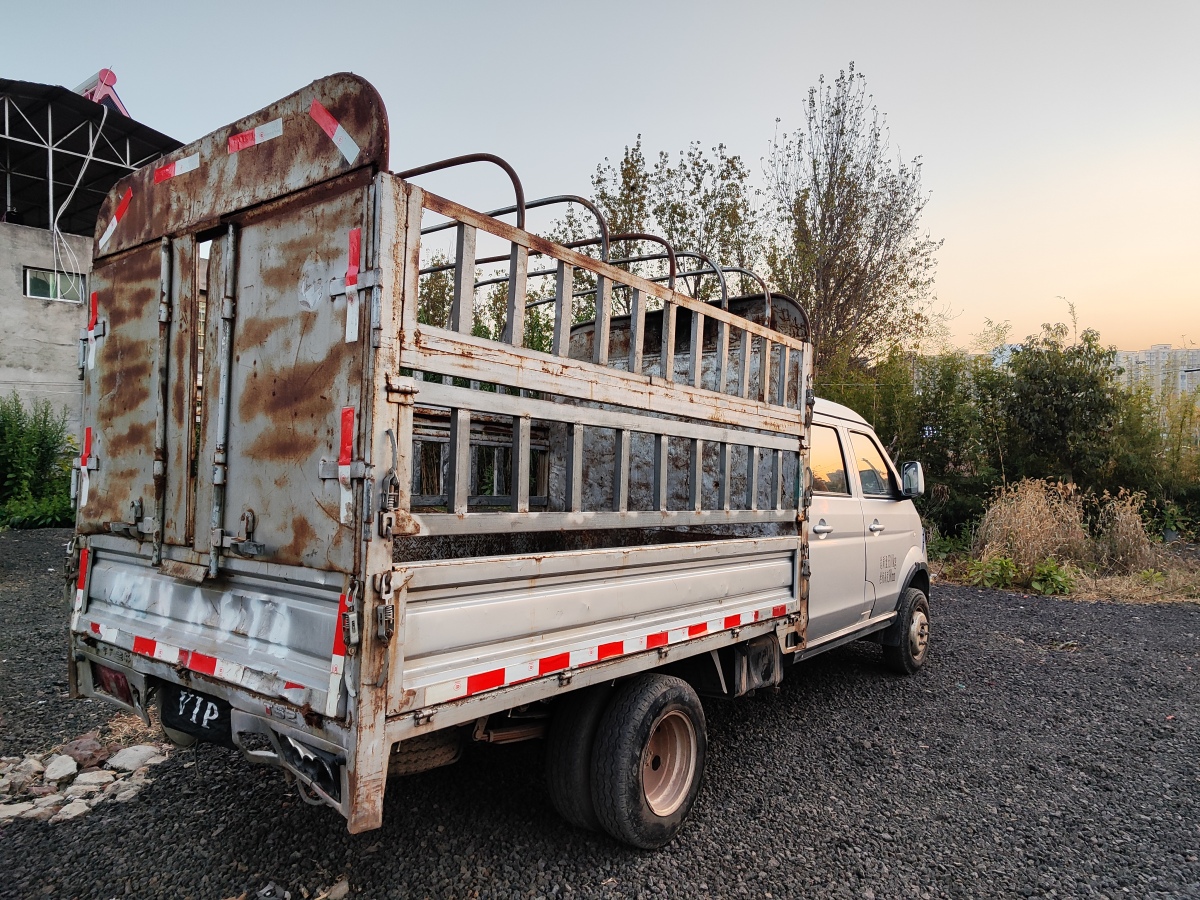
column 634, row 644
column 91, row 345
column 336, row 667
column 346, row 144
column 521, row 672
column 446, row 691
column 187, row 164
column 108, row 232
column 677, row 635
column 351, row 314
column 584, row 656
column 716, row 625
column 166, row 652
column 83, row 485
column 268, row 131
column 228, row 671
column 347, row 491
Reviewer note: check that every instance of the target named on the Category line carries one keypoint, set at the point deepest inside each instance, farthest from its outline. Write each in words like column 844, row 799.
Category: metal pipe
column 534, row 204
column 766, row 291
column 228, row 309
column 160, row 422
column 473, row 158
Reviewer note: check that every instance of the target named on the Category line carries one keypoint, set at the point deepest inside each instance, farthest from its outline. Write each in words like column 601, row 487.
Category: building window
column 45, row 284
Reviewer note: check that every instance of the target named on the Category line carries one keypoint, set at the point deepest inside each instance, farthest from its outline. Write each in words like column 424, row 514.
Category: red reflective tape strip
column 257, row 135
column 616, row 648
column 656, row 640
column 291, row 686
column 346, row 452
column 83, row 564
column 144, row 646
column 733, row 621
column 555, row 663
column 355, row 248
column 339, row 641
column 162, row 173
column 202, row 663
column 95, row 311
column 87, row 446
column 123, row 205
column 180, row 167
column 95, row 626
column 321, row 116
column 485, row 681
column 694, row 630
column 778, row 611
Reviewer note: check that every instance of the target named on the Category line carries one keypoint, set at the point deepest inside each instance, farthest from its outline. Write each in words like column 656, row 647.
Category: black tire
column 909, row 655
column 642, row 792
column 569, row 754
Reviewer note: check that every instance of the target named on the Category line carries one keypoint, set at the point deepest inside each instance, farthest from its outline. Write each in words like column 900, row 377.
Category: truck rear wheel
column 907, row 656
column 569, row 754
column 648, row 760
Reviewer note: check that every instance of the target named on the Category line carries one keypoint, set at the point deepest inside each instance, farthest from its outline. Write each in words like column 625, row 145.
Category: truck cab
column 866, row 543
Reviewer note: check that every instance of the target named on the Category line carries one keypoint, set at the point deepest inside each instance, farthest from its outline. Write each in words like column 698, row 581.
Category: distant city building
column 60, row 153
column 1164, row 369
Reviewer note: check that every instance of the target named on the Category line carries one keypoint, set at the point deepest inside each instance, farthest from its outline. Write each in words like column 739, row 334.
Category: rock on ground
column 133, row 758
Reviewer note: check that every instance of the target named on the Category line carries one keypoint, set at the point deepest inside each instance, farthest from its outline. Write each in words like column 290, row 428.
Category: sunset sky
column 1061, row 141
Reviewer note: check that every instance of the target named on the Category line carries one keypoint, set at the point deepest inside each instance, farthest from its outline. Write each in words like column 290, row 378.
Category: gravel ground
column 1049, row 749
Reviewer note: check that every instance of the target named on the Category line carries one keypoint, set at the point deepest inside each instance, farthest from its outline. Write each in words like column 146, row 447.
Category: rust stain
column 303, row 539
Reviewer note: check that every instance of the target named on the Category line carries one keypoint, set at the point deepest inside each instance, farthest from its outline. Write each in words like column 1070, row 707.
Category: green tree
column 1064, row 408
column 846, row 234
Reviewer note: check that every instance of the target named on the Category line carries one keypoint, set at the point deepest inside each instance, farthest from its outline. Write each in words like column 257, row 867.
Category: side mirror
column 912, row 479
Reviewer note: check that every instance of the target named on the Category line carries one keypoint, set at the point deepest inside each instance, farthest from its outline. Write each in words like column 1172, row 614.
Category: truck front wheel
column 648, row 760
column 912, row 648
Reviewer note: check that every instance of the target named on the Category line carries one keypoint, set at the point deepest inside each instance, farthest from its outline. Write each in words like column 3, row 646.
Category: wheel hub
column 669, row 762
column 918, row 634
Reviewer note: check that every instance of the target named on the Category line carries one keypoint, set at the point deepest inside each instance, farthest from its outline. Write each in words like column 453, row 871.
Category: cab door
column 837, row 597
column 889, row 520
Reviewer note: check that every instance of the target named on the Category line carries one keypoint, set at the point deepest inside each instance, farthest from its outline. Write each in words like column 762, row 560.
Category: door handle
column 822, row 528
column 875, row 527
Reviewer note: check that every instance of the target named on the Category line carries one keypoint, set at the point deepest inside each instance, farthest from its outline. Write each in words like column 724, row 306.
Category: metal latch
column 141, row 524
column 327, row 470
column 244, row 544
column 389, row 495
column 82, row 355
column 350, row 625
column 385, row 614
column 366, row 279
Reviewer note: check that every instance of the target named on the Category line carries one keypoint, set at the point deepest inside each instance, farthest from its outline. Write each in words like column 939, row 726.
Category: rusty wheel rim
column 918, row 634
column 669, row 762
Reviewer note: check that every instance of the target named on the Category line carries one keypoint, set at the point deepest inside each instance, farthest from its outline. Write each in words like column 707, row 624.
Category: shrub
column 1051, row 578
column 1122, row 545
column 992, row 572
column 1031, row 521
column 35, row 464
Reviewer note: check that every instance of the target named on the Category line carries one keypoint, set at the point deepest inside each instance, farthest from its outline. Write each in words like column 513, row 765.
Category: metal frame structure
column 53, row 137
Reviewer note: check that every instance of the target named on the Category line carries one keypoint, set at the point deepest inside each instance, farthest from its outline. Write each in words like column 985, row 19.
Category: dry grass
column 1032, row 521
column 1122, row 545
column 127, row 729
column 1035, row 520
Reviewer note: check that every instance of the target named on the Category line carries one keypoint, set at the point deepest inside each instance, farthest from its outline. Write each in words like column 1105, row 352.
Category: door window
column 828, row 465
column 873, row 472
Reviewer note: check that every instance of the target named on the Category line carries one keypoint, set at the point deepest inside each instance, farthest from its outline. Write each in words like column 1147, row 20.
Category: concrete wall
column 39, row 338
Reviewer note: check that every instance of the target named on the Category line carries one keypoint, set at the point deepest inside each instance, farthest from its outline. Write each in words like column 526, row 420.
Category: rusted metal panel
column 294, row 374
column 120, row 397
column 285, row 147
column 181, row 395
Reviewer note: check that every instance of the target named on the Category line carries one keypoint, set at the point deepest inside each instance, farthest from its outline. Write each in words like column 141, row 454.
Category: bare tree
column 846, row 238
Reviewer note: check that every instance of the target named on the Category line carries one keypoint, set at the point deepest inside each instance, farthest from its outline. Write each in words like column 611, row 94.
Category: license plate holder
column 207, row 718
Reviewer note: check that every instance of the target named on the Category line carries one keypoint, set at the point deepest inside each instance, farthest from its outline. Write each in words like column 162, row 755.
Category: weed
column 1051, row 578
column 35, row 464
column 992, row 572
